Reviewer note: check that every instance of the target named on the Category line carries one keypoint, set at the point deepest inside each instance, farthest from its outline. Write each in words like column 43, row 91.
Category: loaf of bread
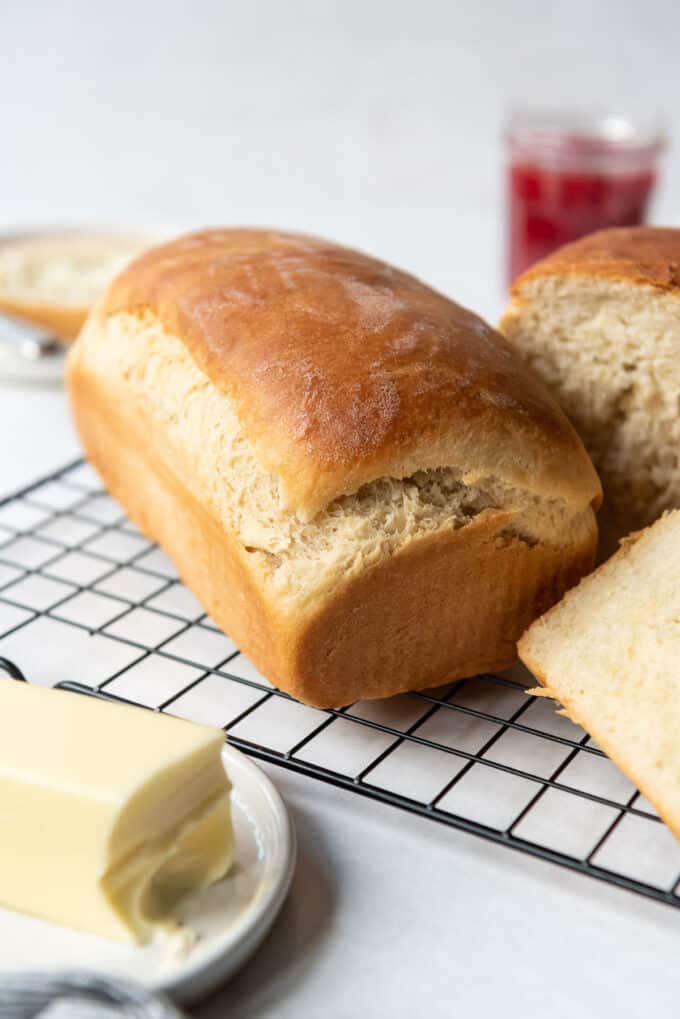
column 52, row 280
column 358, row 479
column 599, row 322
column 609, row 653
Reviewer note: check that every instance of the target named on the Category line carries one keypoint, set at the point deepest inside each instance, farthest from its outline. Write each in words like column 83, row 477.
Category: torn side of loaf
column 296, row 561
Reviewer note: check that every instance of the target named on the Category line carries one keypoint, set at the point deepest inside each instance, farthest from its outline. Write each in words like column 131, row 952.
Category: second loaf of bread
column 358, row 478
column 599, row 323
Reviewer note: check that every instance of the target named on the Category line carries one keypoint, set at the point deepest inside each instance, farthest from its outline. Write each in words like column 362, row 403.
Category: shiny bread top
column 345, row 369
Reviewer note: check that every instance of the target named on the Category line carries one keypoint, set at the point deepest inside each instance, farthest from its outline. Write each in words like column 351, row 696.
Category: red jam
column 562, row 185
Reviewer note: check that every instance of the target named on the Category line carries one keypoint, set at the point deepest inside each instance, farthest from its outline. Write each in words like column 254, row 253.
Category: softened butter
column 109, row 814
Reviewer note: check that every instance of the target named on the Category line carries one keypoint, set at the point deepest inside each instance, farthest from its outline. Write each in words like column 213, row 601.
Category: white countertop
column 377, row 124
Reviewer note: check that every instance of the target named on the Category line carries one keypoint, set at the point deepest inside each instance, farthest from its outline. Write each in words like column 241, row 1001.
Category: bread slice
column 609, row 652
column 599, row 322
column 52, row 280
column 357, row 478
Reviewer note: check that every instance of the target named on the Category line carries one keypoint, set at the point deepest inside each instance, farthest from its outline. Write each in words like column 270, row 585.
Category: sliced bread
column 53, row 279
column 609, row 652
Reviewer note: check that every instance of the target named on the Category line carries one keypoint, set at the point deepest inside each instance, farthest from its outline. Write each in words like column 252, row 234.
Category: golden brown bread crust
column 639, row 254
column 345, row 369
column 397, row 627
column 400, row 625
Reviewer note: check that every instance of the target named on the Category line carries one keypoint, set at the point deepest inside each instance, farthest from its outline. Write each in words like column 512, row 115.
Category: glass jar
column 569, row 174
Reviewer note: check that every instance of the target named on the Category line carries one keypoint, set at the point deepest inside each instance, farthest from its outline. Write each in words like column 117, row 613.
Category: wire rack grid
column 87, row 602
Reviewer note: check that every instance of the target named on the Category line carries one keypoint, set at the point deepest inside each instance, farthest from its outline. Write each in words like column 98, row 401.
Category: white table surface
column 378, row 124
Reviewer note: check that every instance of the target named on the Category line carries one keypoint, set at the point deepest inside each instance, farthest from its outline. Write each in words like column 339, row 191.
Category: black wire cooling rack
column 87, row 602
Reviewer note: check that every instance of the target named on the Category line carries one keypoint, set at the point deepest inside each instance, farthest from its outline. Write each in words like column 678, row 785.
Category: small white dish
column 231, row 918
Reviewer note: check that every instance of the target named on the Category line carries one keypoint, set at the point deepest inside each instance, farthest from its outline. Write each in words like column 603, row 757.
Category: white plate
column 231, row 917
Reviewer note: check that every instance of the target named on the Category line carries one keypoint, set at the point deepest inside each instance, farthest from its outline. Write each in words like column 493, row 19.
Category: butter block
column 109, row 814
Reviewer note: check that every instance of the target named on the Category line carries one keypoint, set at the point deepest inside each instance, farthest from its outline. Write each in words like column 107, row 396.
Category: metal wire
column 444, row 732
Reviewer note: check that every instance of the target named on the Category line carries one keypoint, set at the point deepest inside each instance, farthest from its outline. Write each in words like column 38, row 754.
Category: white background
column 377, row 124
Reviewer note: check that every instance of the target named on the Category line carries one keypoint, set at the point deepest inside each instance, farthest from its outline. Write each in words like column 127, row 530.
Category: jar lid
column 584, row 141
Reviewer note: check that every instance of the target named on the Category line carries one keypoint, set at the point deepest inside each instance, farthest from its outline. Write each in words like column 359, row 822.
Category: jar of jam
column 570, row 174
